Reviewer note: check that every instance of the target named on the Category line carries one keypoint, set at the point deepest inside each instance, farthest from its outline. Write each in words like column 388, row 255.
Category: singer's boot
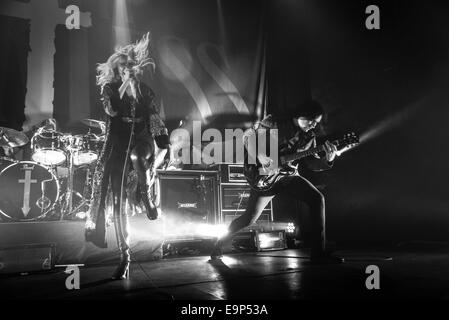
column 146, row 174
column 121, row 232
column 145, row 184
column 151, row 209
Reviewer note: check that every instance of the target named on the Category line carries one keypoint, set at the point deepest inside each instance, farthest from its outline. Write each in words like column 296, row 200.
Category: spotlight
column 260, row 240
column 190, row 238
column 210, row 230
column 290, row 227
column 273, row 240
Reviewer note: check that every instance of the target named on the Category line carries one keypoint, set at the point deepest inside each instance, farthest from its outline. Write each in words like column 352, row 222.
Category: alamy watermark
column 211, row 146
column 373, row 280
column 72, row 282
column 372, row 22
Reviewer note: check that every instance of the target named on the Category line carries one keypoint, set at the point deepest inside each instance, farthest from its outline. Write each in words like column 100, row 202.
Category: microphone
column 133, row 81
column 130, row 81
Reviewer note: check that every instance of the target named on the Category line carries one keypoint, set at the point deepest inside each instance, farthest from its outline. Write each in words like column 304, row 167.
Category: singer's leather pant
column 141, row 157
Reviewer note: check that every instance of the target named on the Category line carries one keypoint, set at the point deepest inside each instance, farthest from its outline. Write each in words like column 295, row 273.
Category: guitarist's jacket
column 292, row 139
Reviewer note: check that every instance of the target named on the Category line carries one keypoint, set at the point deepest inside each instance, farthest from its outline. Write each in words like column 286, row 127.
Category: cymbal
column 12, row 138
column 94, row 123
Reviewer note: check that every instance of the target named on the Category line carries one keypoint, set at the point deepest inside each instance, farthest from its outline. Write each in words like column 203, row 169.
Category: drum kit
column 43, row 187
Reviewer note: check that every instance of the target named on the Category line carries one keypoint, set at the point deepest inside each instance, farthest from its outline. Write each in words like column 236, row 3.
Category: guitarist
column 295, row 134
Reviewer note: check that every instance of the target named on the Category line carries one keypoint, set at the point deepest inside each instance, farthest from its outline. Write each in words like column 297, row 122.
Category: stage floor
column 411, row 273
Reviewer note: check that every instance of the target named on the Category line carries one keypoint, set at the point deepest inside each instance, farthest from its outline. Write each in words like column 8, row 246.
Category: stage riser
column 70, row 246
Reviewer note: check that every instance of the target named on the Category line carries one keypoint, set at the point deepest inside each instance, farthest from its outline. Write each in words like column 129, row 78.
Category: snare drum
column 28, row 191
column 48, row 148
column 87, row 147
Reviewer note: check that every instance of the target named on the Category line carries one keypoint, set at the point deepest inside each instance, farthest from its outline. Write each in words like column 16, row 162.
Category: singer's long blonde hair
column 138, row 53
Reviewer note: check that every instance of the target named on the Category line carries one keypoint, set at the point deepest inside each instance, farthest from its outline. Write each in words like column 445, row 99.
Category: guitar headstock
column 348, row 141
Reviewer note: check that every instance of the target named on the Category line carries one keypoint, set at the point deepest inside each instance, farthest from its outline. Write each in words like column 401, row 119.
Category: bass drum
column 28, row 191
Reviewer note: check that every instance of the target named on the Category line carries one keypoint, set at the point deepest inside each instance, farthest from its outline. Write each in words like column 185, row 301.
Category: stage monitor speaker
column 27, row 258
column 189, row 195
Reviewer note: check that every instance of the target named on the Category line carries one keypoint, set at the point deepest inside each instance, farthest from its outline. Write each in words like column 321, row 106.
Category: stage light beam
column 122, row 35
column 391, row 122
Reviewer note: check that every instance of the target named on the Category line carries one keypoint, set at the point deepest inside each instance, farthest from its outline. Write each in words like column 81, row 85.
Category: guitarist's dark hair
column 309, row 109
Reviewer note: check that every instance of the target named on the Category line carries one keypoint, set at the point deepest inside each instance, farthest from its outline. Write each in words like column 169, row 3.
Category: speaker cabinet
column 234, row 199
column 189, row 196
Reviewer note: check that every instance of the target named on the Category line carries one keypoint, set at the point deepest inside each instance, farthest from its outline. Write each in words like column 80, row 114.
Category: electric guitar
column 263, row 178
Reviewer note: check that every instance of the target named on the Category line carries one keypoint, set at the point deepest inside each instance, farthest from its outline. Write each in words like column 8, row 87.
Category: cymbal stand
column 68, row 206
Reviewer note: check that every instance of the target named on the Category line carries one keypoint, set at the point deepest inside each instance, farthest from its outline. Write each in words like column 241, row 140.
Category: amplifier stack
column 213, row 197
column 234, row 194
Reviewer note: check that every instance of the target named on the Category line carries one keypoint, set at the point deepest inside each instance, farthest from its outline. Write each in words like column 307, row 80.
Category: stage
column 407, row 272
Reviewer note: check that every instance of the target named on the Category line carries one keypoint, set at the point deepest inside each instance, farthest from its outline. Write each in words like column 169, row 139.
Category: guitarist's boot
column 326, row 258
column 236, row 225
column 217, row 252
column 320, row 255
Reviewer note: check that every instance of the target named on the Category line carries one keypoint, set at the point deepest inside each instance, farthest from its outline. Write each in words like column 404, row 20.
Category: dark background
column 390, row 86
